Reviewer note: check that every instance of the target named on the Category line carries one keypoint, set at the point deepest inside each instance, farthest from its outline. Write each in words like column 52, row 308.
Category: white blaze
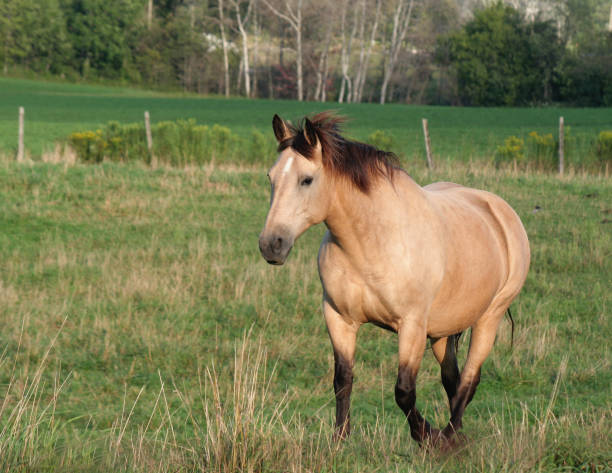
column 288, row 165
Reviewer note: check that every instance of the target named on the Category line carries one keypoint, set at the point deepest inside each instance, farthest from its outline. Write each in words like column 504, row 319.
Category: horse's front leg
column 343, row 334
column 412, row 339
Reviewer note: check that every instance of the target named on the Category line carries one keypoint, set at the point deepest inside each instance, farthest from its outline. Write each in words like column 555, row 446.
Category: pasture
column 142, row 330
column 54, row 110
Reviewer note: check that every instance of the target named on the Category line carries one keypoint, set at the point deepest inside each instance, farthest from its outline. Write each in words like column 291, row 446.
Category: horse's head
column 300, row 191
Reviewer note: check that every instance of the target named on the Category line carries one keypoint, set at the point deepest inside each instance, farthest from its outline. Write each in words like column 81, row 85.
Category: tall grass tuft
column 241, row 431
column 27, row 416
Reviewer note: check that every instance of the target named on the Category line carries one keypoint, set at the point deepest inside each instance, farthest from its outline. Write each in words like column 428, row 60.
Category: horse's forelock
column 358, row 162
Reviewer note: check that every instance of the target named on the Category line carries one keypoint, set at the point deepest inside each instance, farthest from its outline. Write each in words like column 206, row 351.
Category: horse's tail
column 456, row 339
column 512, row 333
column 457, row 336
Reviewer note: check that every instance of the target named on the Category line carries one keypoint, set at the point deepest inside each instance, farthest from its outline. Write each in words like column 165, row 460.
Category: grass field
column 142, row 330
column 54, row 110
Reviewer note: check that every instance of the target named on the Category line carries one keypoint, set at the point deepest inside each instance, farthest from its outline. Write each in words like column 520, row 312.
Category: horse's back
column 441, row 185
column 455, row 201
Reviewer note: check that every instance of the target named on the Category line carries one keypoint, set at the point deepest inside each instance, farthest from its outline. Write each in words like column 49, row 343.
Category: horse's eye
column 306, row 181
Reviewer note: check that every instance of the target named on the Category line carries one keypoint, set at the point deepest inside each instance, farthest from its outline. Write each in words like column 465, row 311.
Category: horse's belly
column 456, row 316
column 463, row 299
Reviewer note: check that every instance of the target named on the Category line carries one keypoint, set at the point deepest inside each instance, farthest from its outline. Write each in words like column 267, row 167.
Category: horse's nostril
column 277, row 244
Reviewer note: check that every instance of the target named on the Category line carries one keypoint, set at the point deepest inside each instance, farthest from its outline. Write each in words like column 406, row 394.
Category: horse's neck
column 358, row 220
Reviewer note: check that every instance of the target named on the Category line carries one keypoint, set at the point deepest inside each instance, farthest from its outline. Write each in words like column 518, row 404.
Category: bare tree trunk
column 363, row 65
column 270, row 80
column 239, row 75
column 322, row 68
column 242, row 21
column 343, row 53
column 345, row 60
column 294, row 18
column 224, row 43
column 325, row 74
column 401, row 21
column 353, row 96
column 149, row 14
column 300, row 73
column 256, row 33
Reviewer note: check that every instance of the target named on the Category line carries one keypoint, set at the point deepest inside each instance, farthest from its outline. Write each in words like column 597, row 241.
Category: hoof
column 438, row 440
column 341, row 435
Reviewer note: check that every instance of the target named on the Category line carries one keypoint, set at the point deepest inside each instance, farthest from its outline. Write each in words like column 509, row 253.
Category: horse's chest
column 364, row 296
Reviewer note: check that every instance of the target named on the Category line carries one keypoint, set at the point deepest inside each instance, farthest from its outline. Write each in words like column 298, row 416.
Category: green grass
column 126, row 294
column 54, row 110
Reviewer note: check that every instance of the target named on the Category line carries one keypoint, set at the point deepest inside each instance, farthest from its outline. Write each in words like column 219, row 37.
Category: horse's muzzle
column 275, row 247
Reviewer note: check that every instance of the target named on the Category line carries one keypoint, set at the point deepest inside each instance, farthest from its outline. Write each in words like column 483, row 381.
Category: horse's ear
column 310, row 133
column 281, row 130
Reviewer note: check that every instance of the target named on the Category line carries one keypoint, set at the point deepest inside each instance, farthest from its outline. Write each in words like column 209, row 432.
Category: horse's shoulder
column 328, row 250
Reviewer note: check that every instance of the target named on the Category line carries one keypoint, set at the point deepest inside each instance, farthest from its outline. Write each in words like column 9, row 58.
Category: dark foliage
column 500, row 58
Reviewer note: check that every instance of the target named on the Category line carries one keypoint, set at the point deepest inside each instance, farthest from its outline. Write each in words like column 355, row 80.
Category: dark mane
column 360, row 163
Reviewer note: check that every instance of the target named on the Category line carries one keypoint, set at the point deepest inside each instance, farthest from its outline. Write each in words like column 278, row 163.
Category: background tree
column 226, row 82
column 365, row 51
column 34, row 36
column 500, row 59
column 401, row 22
column 242, row 19
column 415, row 51
column 99, row 31
column 292, row 14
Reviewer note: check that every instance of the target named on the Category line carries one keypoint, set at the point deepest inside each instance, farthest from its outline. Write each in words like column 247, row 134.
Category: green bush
column 262, row 148
column 90, row 146
column 176, row 143
column 512, row 150
column 381, row 139
column 542, row 149
column 604, row 146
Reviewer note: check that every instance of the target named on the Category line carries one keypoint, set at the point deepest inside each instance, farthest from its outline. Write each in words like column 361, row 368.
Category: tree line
column 457, row 52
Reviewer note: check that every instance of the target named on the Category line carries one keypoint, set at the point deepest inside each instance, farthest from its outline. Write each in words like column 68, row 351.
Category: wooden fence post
column 430, row 163
column 20, row 145
column 561, row 145
column 149, row 138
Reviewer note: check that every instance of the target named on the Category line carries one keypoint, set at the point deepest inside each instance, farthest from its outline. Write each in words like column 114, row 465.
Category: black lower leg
column 405, row 396
column 459, row 402
column 343, row 385
column 449, row 369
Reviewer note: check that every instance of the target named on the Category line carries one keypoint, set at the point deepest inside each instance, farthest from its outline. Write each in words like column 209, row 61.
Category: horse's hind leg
column 481, row 342
column 412, row 339
column 444, row 351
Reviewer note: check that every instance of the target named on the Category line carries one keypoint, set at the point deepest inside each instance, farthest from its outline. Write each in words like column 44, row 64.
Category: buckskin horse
column 424, row 262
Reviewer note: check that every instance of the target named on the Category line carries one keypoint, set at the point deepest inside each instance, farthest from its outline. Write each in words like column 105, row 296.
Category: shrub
column 512, row 150
column 90, row 146
column 604, row 146
column 262, row 148
column 542, row 149
column 177, row 143
column 381, row 139
column 221, row 139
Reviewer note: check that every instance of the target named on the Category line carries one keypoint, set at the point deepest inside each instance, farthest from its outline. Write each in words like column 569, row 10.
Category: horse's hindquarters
column 487, row 260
